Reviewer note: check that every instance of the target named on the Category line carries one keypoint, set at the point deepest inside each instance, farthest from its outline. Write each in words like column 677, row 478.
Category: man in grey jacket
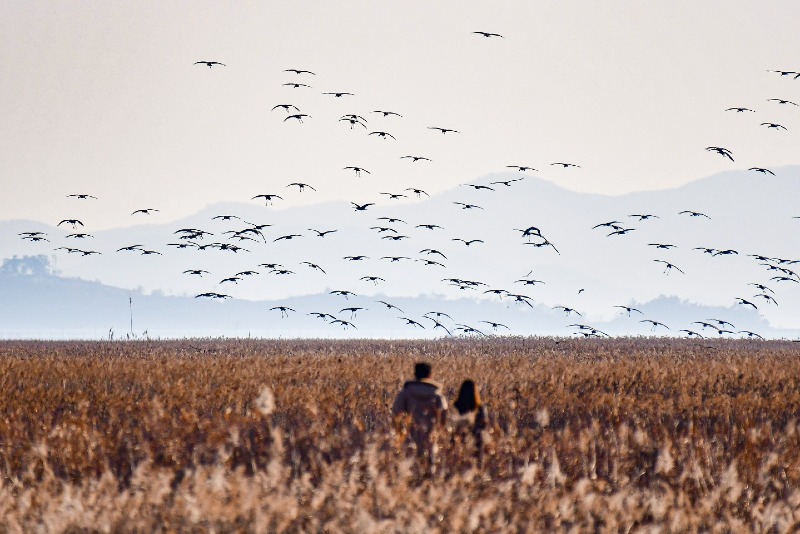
column 422, row 399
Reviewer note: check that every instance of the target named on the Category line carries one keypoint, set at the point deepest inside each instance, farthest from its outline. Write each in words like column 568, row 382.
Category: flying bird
column 724, row 152
column 283, row 309
column 82, row 196
column 693, row 214
column 145, row 211
column 629, row 309
column 362, row 207
column 465, row 206
column 209, row 63
column 286, row 107
column 762, row 170
column 443, row 130
column 299, row 71
column 267, row 198
column 322, row 233
column 383, row 135
column 489, row 34
column 669, row 266
column 781, row 101
column 314, row 266
column 357, row 170
column 297, row 116
column 338, row 94
column 301, row 186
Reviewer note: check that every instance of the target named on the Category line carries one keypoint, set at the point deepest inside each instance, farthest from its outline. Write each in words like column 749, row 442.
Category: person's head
column 468, row 398
column 422, row 370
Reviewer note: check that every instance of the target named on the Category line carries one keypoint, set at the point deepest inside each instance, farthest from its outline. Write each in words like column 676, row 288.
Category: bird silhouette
column 429, row 226
column 750, row 334
column 338, row 94
column 762, row 170
column 267, row 198
column 145, row 211
column 495, row 325
column 301, row 186
column 567, row 310
column 287, row 237
column 411, row 322
column 353, row 120
column 693, row 214
column 213, row 296
column 465, row 206
column 468, row 242
column 284, row 310
column 362, row 207
column 314, row 266
column 745, row 302
column 299, row 71
column 286, row 107
column 392, row 220
column 629, row 309
column 489, row 34
column 297, row 116
column 82, row 196
column 724, row 152
column 781, row 101
column 506, row 183
column 418, row 192
column 322, row 233
column 383, row 135
column 669, row 267
column 443, row 130
column 479, row 187
column 357, row 170
column 566, row 165
column 345, row 324
column 655, row 324
column 296, row 85
column 73, row 222
column 773, row 125
column 414, row 159
column 196, row 272
column 740, row 110
column 691, row 333
column 209, row 63
column 387, row 113
column 389, row 306
column 432, row 251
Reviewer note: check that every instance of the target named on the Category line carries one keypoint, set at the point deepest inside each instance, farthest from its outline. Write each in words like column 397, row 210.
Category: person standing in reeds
column 472, row 417
column 422, row 399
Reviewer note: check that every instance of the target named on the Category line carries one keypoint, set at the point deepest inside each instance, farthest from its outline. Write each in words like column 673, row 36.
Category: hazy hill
column 749, row 213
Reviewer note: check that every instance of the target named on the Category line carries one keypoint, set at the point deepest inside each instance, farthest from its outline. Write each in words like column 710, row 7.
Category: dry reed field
column 624, row 435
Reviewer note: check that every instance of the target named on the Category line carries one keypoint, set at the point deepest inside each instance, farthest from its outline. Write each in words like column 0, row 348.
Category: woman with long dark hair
column 472, row 418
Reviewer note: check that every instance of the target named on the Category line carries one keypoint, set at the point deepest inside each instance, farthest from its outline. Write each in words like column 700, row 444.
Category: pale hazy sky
column 103, row 97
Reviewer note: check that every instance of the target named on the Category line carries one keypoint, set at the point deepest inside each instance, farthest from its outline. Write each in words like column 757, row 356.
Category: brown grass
column 586, row 435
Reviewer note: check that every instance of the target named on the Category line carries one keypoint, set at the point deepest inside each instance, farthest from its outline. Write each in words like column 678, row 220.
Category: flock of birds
column 246, row 237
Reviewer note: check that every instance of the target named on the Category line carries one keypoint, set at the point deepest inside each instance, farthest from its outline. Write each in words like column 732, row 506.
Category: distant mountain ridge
column 749, row 213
